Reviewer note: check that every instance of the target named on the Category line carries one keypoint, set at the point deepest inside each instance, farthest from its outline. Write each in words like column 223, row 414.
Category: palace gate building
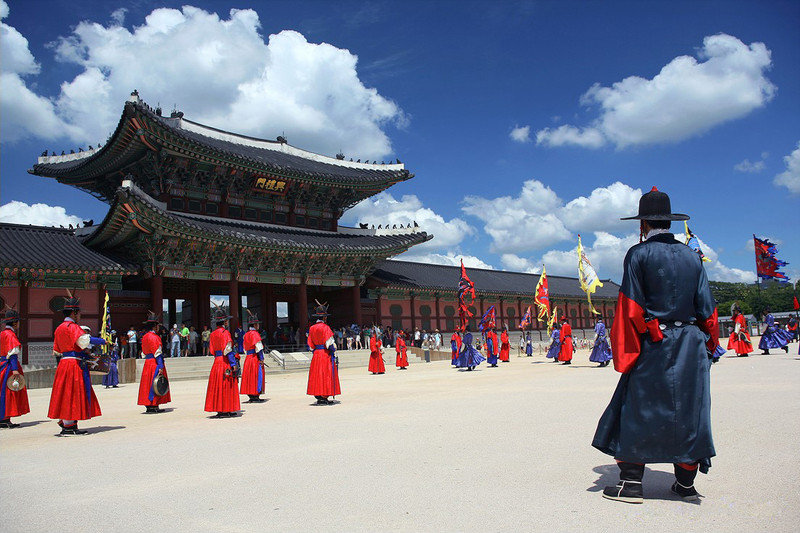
column 196, row 212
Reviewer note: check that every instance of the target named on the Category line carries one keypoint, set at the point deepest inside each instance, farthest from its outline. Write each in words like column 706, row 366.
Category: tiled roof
column 261, row 234
column 40, row 247
column 257, row 153
column 405, row 274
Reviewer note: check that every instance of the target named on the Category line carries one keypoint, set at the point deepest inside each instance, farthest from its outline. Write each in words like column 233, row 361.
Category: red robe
column 375, row 357
column 12, row 403
column 323, row 374
column 505, row 347
column 154, row 360
column 741, row 347
column 457, row 348
column 72, row 397
column 253, row 370
column 402, row 356
column 566, row 347
column 222, row 395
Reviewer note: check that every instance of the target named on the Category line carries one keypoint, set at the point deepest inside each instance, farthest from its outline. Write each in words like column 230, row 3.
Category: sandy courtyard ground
column 427, row 449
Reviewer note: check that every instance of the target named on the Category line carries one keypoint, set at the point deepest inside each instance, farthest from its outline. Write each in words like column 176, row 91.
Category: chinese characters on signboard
column 270, row 185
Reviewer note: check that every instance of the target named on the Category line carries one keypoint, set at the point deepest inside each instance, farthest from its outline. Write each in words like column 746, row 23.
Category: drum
column 99, row 365
column 160, row 385
column 16, row 383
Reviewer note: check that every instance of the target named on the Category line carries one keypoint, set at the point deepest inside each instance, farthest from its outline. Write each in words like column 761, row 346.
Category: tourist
column 601, row 351
column 492, row 348
column 376, row 365
column 505, row 345
column 184, row 340
column 664, row 330
column 205, row 335
column 455, row 347
column 555, row 344
column 773, row 336
column 192, row 341
column 565, row 356
column 222, row 394
column 133, row 353
column 400, row 347
column 417, row 338
column 253, row 381
column 739, row 341
column 175, row 341
column 72, row 397
column 357, row 337
column 153, row 367
column 323, row 374
column 338, row 336
column 12, row 402
column 468, row 357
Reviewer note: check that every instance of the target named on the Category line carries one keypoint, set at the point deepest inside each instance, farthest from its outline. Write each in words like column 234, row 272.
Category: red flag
column 796, row 304
column 542, row 298
column 465, row 288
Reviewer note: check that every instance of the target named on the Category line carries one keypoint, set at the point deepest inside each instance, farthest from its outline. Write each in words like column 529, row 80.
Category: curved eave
column 132, row 214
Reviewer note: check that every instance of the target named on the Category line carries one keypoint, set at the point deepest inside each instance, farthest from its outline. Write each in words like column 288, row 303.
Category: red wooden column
column 501, row 315
column 357, row 304
column 233, row 301
column 23, row 324
column 378, row 310
column 302, row 303
column 270, row 313
column 156, row 294
column 413, row 310
column 436, row 314
column 204, row 304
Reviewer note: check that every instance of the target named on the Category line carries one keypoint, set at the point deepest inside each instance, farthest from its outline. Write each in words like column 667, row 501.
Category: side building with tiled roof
column 419, row 295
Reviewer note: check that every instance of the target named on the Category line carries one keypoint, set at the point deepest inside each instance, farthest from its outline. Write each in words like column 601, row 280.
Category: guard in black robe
column 664, row 331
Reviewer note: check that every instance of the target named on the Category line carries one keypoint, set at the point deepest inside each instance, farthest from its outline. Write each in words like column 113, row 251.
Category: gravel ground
column 427, row 449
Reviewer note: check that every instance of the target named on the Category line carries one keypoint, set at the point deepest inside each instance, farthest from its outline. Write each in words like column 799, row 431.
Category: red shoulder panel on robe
column 626, row 341
column 710, row 325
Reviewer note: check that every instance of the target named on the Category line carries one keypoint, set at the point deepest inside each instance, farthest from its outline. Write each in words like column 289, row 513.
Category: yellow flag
column 587, row 275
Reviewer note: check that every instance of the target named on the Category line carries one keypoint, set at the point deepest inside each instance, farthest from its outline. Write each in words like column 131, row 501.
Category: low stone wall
column 42, row 378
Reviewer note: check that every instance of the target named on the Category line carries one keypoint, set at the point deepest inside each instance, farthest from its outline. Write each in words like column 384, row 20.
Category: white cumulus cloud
column 384, row 209
column 790, row 178
column 15, row 212
column 520, row 134
column 219, row 71
column 686, row 98
column 448, row 259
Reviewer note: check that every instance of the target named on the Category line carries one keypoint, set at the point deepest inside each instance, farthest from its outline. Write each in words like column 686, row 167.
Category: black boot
column 785, row 348
column 629, row 488
column 7, row 424
column 764, row 352
column 684, row 484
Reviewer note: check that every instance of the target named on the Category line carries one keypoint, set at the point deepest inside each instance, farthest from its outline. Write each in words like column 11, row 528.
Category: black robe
column 661, row 409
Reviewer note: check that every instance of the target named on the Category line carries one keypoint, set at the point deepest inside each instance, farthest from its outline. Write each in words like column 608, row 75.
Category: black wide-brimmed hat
column 221, row 315
column 72, row 304
column 11, row 315
column 321, row 310
column 655, row 205
column 153, row 318
column 252, row 318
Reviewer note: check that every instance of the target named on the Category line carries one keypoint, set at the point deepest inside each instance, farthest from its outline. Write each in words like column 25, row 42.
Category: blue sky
column 526, row 123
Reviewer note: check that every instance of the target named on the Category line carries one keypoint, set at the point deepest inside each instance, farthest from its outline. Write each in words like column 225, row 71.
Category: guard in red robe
column 505, row 345
column 323, row 374
column 72, row 397
column 663, row 337
column 566, row 347
column 12, row 402
column 376, row 365
column 739, row 340
column 222, row 395
column 153, row 367
column 455, row 346
column 402, row 355
column 253, row 369
column 492, row 348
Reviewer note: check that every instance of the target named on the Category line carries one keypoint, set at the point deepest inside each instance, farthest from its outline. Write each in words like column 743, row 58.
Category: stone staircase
column 198, row 367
